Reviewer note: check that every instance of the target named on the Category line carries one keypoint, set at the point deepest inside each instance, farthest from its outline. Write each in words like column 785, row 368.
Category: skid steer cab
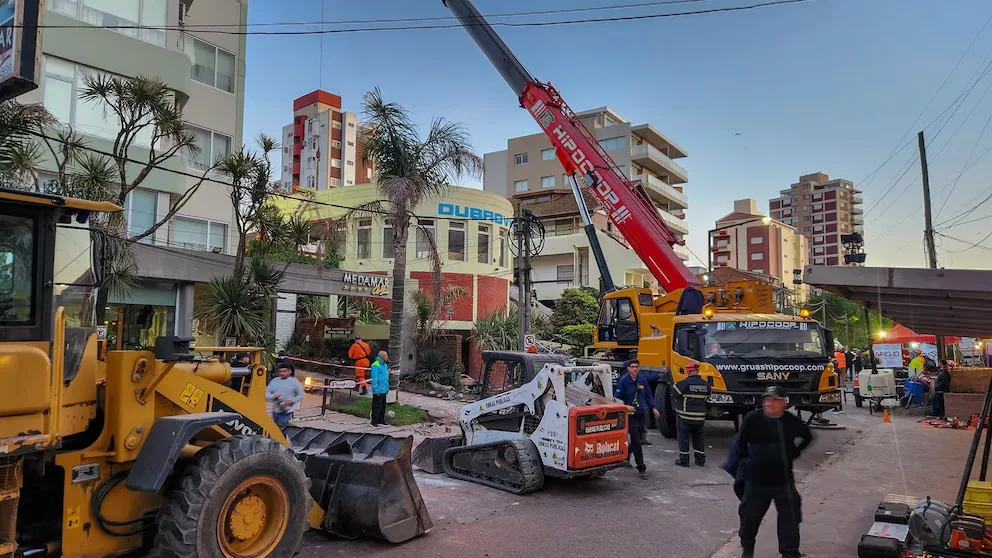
column 169, row 451
column 538, row 418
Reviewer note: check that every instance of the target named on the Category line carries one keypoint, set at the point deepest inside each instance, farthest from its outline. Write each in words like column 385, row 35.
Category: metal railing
column 652, row 151
column 650, row 182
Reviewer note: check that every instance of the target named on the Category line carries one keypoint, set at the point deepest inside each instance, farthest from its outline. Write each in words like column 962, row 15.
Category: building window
column 756, row 271
column 818, row 261
column 425, row 237
column 547, row 154
column 483, row 241
column 520, row 186
column 456, row 240
column 364, row 239
column 388, row 249
column 335, row 182
column 817, row 207
column 566, row 273
column 336, row 124
column 213, row 146
column 757, row 256
column 336, row 144
column 520, row 159
column 818, row 250
column 61, row 91
column 807, row 229
column 142, row 213
column 142, row 19
column 817, row 228
column 336, row 163
column 547, row 182
column 502, row 247
column 613, row 143
column 196, row 234
column 808, row 218
column 757, row 239
column 211, row 65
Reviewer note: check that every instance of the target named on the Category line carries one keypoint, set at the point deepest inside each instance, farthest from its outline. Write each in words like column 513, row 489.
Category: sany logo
column 618, row 212
column 774, row 376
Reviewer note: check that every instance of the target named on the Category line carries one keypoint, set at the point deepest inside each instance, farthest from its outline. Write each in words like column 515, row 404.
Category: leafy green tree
column 579, row 336
column 576, row 306
column 409, row 169
column 846, row 319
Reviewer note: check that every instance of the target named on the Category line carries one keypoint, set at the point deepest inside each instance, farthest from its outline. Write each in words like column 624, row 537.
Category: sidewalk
column 840, row 496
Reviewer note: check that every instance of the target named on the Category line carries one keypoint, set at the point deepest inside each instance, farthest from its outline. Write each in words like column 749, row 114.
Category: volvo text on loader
column 155, row 450
column 741, row 344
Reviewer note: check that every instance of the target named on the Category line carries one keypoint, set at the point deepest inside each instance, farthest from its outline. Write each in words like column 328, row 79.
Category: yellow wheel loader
column 157, row 450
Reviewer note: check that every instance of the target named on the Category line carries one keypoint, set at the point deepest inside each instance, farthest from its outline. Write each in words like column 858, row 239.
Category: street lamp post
column 709, row 238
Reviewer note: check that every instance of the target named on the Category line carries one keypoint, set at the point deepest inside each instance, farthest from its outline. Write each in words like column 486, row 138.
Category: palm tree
column 410, row 169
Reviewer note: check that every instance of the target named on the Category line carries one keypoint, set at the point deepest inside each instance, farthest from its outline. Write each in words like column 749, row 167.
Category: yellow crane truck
column 156, row 450
column 740, row 343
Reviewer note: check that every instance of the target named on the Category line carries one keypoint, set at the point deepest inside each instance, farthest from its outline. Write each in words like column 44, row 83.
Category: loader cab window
column 617, row 322
column 689, row 341
column 18, row 242
column 76, row 274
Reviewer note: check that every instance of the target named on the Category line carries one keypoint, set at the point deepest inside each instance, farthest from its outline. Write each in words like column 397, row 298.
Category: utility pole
column 523, row 228
column 928, row 231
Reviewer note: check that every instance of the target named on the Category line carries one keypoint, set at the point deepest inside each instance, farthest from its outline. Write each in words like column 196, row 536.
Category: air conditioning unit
column 182, row 13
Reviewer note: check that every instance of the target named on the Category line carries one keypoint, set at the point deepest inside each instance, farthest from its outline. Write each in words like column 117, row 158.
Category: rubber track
column 528, row 458
column 178, row 518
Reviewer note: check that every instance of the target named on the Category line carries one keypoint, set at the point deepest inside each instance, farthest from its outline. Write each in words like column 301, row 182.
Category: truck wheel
column 858, row 402
column 666, row 421
column 240, row 497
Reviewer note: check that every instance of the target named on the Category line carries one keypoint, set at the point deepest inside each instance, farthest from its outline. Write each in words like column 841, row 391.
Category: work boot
column 682, row 463
column 700, row 462
column 642, row 474
column 747, row 554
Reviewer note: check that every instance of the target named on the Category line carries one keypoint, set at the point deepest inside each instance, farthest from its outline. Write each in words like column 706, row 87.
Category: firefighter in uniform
column 690, row 415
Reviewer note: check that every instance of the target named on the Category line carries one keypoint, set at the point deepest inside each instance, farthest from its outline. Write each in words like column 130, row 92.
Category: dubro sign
column 474, row 213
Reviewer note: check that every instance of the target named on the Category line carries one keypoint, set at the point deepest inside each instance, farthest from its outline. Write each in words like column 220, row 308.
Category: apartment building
column 528, row 172
column 822, row 210
column 748, row 240
column 171, row 40
column 321, row 148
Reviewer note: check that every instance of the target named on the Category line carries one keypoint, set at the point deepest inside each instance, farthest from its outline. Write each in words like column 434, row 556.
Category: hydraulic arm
column 579, row 152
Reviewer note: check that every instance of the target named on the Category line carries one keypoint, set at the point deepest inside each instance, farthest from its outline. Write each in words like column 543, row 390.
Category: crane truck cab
column 741, row 345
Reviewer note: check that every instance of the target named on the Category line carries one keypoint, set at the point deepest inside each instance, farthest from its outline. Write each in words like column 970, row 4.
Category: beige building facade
column 748, row 240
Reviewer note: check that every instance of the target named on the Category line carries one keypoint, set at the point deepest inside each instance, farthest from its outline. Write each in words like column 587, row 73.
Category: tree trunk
column 396, row 317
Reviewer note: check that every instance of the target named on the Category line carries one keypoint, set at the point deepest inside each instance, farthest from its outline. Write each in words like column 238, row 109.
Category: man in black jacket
column 940, row 386
column 690, row 415
column 767, row 443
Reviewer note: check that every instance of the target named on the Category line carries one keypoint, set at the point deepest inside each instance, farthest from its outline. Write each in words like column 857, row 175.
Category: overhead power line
column 442, row 26
column 971, row 245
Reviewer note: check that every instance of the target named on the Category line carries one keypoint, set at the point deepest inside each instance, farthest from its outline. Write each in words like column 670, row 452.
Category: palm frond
column 232, row 308
column 265, row 276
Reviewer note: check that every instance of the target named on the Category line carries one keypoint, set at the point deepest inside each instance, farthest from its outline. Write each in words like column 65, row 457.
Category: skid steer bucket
column 429, row 453
column 363, row 482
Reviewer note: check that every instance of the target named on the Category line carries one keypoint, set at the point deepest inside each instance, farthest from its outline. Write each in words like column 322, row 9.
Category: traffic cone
column 885, row 415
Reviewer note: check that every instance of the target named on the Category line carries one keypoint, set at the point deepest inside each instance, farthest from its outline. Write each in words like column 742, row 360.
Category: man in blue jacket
column 380, row 387
column 635, row 392
column 650, row 377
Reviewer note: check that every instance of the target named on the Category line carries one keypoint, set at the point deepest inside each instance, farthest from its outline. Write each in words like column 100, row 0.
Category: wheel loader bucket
column 363, row 482
column 428, row 454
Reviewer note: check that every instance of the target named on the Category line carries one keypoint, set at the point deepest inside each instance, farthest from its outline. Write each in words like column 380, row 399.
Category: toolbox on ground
column 880, row 547
column 893, row 512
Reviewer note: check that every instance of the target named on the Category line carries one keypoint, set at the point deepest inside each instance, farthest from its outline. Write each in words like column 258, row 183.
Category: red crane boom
column 578, row 151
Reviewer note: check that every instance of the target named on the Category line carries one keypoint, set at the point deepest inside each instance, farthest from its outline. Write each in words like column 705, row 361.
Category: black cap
column 774, row 391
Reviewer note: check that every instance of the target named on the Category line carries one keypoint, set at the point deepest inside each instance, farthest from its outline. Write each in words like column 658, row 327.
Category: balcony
column 673, row 222
column 857, row 200
column 660, row 191
column 682, row 253
column 858, row 221
column 857, row 210
column 659, row 163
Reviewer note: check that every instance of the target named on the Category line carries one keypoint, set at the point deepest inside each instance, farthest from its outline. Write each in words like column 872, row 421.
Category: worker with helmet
column 690, row 415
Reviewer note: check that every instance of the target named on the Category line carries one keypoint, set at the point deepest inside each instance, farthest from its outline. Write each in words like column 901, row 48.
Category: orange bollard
column 885, row 415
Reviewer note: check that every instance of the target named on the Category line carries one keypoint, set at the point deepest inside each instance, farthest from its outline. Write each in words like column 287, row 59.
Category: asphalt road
column 676, row 512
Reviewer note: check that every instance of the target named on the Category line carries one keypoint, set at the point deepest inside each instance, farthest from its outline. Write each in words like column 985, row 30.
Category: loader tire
column 241, row 496
column 666, row 408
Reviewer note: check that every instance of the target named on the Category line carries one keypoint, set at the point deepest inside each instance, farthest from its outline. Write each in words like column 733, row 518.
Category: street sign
column 101, row 333
column 530, row 340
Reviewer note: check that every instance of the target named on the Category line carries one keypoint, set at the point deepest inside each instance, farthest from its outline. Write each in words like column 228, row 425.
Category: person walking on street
column 767, row 444
column 380, row 387
column 635, row 392
column 849, row 358
column 940, row 386
column 859, row 364
column 285, row 393
column 690, row 415
column 650, row 377
column 360, row 352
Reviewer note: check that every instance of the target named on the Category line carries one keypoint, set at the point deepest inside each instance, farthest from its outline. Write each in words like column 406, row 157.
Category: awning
column 902, row 334
column 939, row 301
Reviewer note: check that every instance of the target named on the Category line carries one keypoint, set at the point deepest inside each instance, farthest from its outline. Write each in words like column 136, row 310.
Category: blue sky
column 826, row 85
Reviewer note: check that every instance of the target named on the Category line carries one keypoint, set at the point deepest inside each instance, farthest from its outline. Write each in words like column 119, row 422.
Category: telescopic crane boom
column 579, row 152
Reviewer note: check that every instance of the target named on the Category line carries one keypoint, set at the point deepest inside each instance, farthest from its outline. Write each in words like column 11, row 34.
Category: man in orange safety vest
column 360, row 352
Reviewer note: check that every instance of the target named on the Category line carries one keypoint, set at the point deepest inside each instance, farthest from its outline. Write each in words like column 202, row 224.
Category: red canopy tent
column 901, row 334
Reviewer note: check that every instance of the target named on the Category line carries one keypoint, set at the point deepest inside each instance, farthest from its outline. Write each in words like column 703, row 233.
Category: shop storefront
column 135, row 321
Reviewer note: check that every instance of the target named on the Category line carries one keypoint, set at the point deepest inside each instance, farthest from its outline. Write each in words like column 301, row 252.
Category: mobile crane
column 740, row 343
